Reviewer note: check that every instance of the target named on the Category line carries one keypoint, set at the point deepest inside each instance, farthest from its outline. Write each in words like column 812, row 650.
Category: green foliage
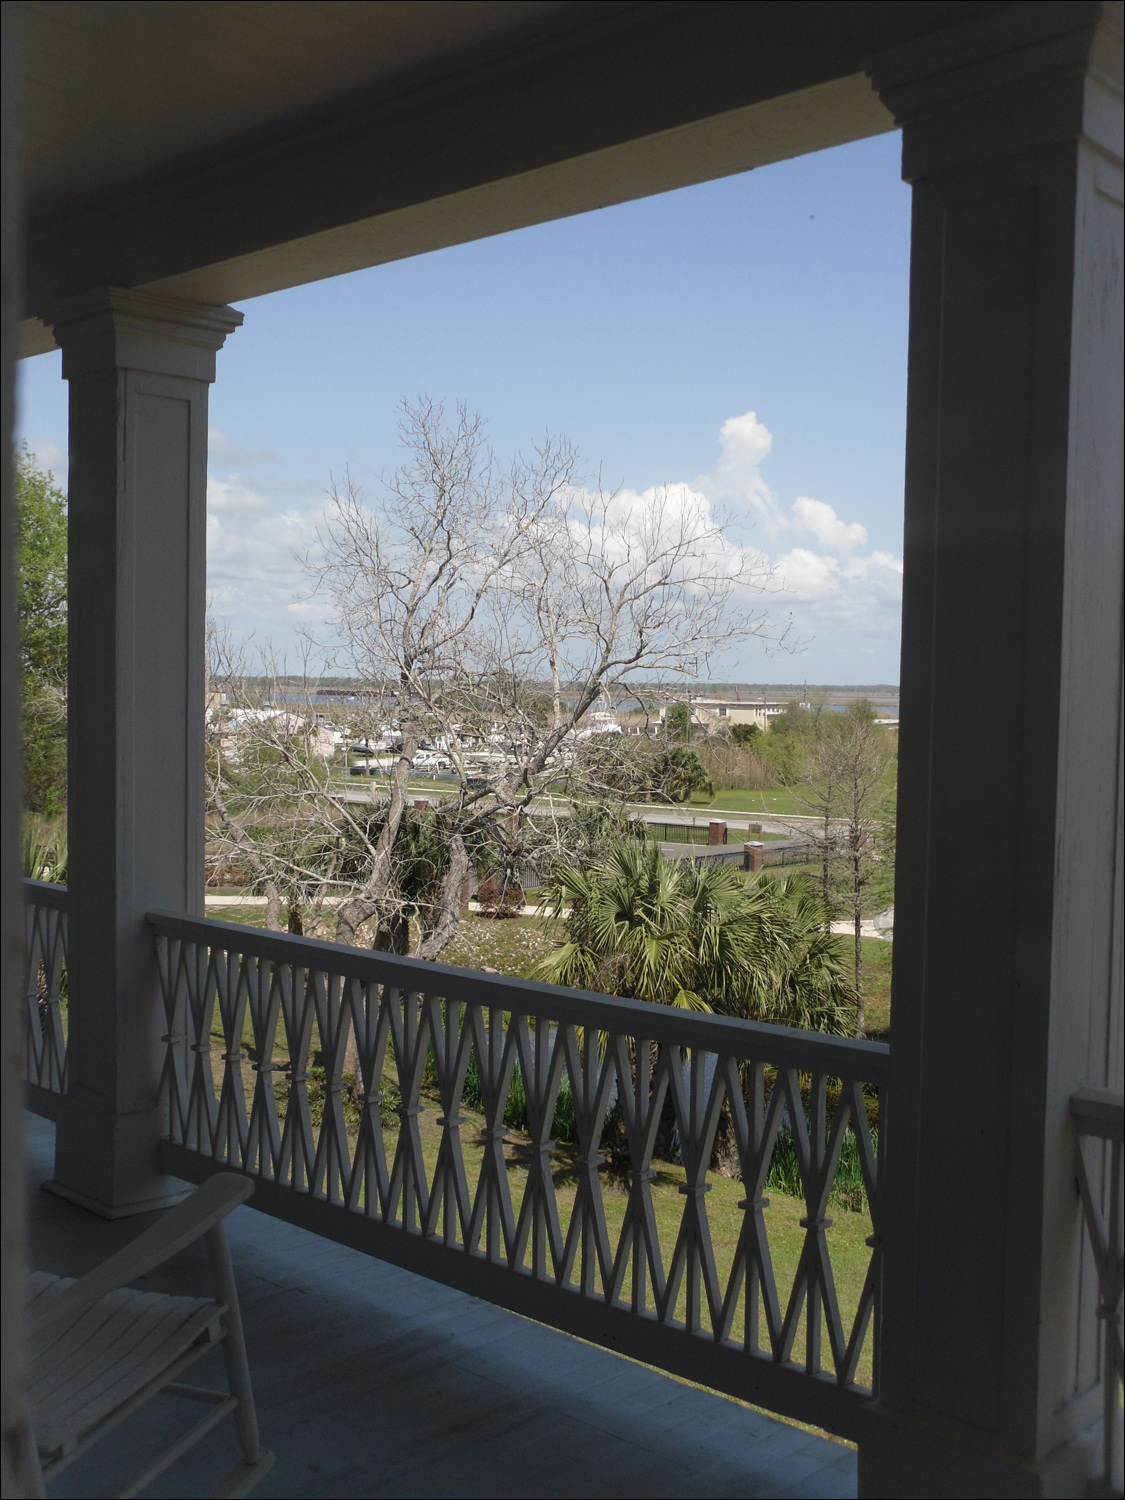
column 420, row 860
column 677, row 724
column 421, row 854
column 701, row 937
column 640, row 771
column 591, row 826
column 316, row 1092
column 795, row 723
column 41, row 555
column 745, row 734
column 41, row 577
column 44, row 854
column 677, row 773
column 848, row 785
column 564, row 1127
column 849, row 1191
column 787, row 743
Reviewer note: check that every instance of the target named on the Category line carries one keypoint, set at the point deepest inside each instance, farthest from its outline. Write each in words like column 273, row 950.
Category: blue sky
column 646, row 333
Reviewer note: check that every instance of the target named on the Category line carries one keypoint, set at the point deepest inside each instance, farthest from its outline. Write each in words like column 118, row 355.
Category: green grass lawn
column 776, row 800
column 246, row 916
column 877, row 988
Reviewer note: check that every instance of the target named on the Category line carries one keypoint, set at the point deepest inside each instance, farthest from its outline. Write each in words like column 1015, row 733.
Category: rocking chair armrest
column 181, row 1226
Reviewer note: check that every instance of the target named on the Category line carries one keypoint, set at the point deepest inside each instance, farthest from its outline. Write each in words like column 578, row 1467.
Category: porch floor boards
column 371, row 1381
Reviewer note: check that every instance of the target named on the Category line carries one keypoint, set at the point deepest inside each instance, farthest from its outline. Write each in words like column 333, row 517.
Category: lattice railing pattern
column 1099, row 1119
column 249, row 1012
column 44, row 981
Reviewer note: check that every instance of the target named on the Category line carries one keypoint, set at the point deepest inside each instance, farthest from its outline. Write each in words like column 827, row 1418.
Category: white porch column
column 1007, row 965
column 138, row 367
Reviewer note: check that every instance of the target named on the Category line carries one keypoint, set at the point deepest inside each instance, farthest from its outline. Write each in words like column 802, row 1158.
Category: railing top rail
column 1099, row 1112
column 783, row 1046
column 44, row 893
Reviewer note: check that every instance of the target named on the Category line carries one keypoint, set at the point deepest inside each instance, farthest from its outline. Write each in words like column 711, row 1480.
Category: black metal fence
column 531, row 877
column 797, row 852
column 676, row 833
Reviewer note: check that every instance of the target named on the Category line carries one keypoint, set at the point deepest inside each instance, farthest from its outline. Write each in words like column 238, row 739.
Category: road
column 692, row 817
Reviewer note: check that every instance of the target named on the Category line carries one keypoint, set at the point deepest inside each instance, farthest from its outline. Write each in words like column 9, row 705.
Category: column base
column 901, row 1458
column 117, row 1210
column 110, row 1164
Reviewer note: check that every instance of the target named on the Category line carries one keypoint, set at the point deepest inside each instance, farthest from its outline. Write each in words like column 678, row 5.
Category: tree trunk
column 444, row 929
column 860, row 1017
column 378, row 887
column 826, row 867
column 245, row 846
column 392, row 933
column 350, row 915
column 440, row 933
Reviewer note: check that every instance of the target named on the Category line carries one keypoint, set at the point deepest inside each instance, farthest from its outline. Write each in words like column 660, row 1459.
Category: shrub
column 849, row 1191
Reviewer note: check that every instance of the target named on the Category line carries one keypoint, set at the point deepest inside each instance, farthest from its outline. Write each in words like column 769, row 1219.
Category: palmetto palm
column 700, row 937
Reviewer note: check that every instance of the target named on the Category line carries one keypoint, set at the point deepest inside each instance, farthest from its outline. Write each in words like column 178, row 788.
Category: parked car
column 431, row 760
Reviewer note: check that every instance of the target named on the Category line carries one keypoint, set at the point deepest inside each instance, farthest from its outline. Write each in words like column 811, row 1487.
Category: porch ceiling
column 219, row 151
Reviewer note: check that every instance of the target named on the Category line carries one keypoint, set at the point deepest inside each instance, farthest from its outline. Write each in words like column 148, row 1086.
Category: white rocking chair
column 100, row 1350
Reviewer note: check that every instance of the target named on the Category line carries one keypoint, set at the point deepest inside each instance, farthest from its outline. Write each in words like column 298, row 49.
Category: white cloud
column 745, row 443
column 836, row 592
column 229, row 454
column 845, row 599
column 853, row 584
column 822, row 521
column 255, row 580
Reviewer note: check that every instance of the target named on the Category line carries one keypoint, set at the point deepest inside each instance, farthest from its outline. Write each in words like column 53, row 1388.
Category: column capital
column 1026, row 78
column 115, row 328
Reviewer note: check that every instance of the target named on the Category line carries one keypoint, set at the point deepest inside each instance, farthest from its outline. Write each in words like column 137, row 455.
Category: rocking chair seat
column 90, row 1368
column 100, row 1349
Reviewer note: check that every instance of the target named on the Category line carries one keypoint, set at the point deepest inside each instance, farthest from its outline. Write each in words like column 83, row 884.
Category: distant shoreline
column 877, row 692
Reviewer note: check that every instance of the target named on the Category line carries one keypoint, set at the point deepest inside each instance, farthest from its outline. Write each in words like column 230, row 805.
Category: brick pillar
column 755, row 857
column 716, row 833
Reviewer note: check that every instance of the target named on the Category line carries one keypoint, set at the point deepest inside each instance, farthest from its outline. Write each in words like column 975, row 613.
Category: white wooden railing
column 414, row 1022
column 44, row 980
column 1099, row 1118
column 248, row 1014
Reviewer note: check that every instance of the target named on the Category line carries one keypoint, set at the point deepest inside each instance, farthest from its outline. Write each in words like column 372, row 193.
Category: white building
column 713, row 714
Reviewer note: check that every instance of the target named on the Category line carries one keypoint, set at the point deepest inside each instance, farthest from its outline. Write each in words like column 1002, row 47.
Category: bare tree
column 273, row 805
column 844, row 783
column 488, row 608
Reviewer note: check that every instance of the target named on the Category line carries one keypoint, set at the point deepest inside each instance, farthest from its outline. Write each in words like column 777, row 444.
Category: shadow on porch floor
column 371, row 1381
